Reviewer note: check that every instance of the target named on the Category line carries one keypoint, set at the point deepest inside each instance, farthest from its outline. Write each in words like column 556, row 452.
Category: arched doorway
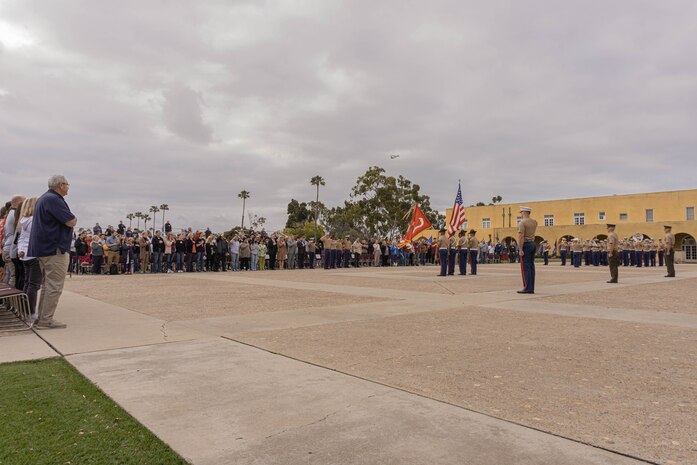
column 507, row 241
column 688, row 245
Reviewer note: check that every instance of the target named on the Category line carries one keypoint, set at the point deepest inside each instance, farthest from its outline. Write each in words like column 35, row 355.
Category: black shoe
column 669, row 276
column 611, row 282
column 524, row 292
column 440, row 275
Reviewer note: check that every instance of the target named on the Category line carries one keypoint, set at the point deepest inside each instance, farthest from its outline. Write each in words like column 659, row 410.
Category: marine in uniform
column 452, row 252
column 347, row 251
column 661, row 252
column 562, row 251
column 545, row 251
column 526, row 237
column 612, row 252
column 670, row 251
column 576, row 252
column 462, row 244
column 473, row 245
column 443, row 252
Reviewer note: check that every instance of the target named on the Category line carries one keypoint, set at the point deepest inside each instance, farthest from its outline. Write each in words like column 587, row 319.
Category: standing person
column 144, row 243
column 443, row 243
column 669, row 251
column 262, row 254
column 97, row 230
column 282, row 253
column 235, row 253
column 327, row 241
column 169, row 246
column 612, row 252
column 356, row 250
column 200, row 243
column 311, row 251
column 97, row 254
column 51, row 232
column 562, row 251
column 32, row 268
column 245, row 253
column 220, row 253
column 114, row 246
column 254, row 249
column 545, row 251
column 158, row 249
column 292, row 245
column 180, row 247
column 473, row 251
column 302, row 252
column 272, row 248
column 526, row 236
column 9, row 238
column 463, row 246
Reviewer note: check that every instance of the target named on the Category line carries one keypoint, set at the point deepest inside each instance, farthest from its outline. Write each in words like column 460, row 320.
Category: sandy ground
column 675, row 296
column 178, row 298
column 612, row 384
column 626, row 386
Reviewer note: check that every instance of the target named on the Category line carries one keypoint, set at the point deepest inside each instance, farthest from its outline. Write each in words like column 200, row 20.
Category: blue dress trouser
column 529, row 266
column 443, row 255
column 451, row 263
column 463, row 261
column 473, row 261
column 563, row 257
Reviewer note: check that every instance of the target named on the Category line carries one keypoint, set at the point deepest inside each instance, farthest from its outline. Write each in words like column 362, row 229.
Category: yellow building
column 634, row 214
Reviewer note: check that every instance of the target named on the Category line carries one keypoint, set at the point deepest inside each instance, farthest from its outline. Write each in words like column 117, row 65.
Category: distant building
column 634, row 214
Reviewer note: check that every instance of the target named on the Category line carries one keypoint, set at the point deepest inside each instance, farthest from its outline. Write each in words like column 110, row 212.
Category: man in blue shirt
column 50, row 242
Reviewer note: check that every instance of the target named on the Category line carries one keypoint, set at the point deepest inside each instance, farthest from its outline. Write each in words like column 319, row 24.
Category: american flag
column 457, row 218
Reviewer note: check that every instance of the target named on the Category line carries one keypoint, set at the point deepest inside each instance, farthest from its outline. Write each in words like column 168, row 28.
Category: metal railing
column 15, row 315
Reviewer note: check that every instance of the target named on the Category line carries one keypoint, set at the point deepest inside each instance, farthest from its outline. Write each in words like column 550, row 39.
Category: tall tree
column 164, row 207
column 139, row 215
column 244, row 195
column 153, row 209
column 130, row 217
column 317, row 181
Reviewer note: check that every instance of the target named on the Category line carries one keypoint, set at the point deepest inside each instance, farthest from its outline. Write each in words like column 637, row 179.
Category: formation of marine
column 632, row 251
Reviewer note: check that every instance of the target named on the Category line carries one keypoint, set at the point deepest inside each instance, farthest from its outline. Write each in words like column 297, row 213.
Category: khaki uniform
column 670, row 254
column 613, row 254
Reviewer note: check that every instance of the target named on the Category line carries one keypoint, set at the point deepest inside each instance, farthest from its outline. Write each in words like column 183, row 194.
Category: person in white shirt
column 32, row 268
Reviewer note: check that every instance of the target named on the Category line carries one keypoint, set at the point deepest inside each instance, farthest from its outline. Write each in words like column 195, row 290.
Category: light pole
column 244, row 195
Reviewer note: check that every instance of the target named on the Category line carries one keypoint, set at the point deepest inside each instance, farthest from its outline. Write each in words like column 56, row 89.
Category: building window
column 649, row 215
column 486, row 223
column 549, row 220
column 518, row 219
column 690, row 213
column 623, row 217
column 601, row 216
column 579, row 218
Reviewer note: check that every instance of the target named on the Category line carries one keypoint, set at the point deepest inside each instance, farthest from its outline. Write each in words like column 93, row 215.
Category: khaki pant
column 53, row 271
column 9, row 269
column 612, row 259
column 112, row 257
column 670, row 263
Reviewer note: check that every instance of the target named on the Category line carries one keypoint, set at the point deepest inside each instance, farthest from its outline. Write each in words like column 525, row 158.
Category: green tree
column 298, row 213
column 164, row 207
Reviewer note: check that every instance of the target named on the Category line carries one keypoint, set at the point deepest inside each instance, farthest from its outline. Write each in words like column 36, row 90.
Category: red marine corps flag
column 419, row 223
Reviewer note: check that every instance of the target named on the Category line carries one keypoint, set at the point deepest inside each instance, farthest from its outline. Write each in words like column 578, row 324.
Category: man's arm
column 521, row 238
column 71, row 223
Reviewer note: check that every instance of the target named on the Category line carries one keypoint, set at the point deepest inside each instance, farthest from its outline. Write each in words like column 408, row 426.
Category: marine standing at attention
column 526, row 236
column 452, row 251
column 612, row 252
column 443, row 252
column 670, row 251
column 473, row 244
column 462, row 244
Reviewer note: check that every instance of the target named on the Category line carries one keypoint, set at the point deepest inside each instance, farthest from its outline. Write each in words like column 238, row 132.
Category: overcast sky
column 187, row 103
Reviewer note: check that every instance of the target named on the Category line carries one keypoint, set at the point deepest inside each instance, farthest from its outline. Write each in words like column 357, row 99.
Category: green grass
column 51, row 414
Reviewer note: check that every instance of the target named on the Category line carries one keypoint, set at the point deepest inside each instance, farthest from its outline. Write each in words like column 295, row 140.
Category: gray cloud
column 189, row 104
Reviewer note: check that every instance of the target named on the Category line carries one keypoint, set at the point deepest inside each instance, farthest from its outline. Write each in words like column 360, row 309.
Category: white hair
column 56, row 180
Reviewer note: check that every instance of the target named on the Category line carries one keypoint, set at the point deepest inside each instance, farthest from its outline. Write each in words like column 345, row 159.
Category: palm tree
column 130, row 217
column 163, row 208
column 153, row 209
column 139, row 215
column 317, row 181
column 244, row 195
column 146, row 218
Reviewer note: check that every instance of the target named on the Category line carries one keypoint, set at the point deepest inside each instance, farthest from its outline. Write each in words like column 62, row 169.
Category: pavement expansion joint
column 434, row 399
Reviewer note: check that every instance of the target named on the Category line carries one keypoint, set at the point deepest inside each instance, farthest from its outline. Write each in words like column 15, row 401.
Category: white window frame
column 690, row 213
column 601, row 216
column 626, row 216
column 549, row 220
column 648, row 215
column 579, row 219
column 486, row 223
